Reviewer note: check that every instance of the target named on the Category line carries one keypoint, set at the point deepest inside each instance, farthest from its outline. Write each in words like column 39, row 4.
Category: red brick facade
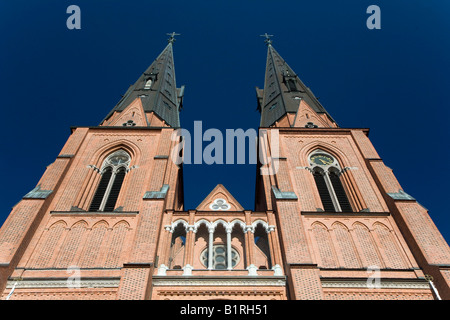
column 151, row 247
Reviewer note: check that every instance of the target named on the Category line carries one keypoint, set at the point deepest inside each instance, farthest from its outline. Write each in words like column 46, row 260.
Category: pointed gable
column 133, row 115
column 219, row 199
column 307, row 117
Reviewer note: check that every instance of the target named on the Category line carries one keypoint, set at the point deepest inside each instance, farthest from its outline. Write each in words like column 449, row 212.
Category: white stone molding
column 220, row 221
column 162, row 270
column 62, row 283
column 384, row 284
column 176, row 223
column 187, row 270
column 91, row 166
column 278, row 271
column 252, row 270
column 239, row 222
column 264, row 224
column 200, row 222
column 220, row 281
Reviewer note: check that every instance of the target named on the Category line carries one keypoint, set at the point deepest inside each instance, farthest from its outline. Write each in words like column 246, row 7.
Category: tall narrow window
column 326, row 171
column 101, row 189
column 340, row 192
column 324, row 193
column 113, row 173
column 115, row 189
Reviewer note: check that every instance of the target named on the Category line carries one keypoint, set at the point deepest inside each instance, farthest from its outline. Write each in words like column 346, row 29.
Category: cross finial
column 172, row 37
column 268, row 41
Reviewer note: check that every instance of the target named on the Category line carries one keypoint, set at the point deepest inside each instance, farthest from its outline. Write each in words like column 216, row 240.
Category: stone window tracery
column 220, row 205
column 220, row 258
column 326, row 171
column 113, row 173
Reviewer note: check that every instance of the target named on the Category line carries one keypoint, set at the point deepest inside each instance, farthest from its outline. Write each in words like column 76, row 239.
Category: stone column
column 189, row 245
column 269, row 232
column 229, row 264
column 210, row 247
column 249, row 243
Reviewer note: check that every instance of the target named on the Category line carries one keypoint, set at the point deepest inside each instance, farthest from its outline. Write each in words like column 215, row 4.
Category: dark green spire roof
column 282, row 90
column 156, row 88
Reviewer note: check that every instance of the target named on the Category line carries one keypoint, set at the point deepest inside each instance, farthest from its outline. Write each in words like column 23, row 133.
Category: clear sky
column 394, row 81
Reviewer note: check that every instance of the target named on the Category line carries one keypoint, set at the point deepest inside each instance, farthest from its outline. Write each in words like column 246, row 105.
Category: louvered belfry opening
column 101, row 189
column 340, row 192
column 323, row 192
column 115, row 190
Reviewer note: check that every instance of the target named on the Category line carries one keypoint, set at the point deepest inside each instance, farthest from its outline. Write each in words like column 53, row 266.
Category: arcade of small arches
column 220, row 245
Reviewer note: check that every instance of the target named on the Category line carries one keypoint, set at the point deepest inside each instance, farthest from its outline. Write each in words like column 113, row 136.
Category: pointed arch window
column 325, row 195
column 326, row 171
column 113, row 173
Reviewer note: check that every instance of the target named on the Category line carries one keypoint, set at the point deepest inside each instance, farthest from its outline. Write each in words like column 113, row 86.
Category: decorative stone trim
column 221, row 281
column 157, row 194
column 212, row 225
column 236, row 294
column 361, row 214
column 93, row 167
column 252, row 270
column 62, row 283
column 385, row 284
column 401, row 195
column 95, row 213
column 280, row 195
column 187, row 270
column 162, row 270
column 37, row 193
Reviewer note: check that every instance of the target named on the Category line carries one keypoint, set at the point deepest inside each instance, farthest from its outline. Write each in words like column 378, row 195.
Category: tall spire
column 154, row 93
column 284, row 95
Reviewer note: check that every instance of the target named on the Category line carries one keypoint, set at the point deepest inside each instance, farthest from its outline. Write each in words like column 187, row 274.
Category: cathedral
column 107, row 220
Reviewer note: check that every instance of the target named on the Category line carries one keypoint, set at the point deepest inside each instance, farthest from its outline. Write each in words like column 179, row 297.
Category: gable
column 219, row 199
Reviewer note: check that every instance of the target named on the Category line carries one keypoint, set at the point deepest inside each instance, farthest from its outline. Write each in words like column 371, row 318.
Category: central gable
column 219, row 199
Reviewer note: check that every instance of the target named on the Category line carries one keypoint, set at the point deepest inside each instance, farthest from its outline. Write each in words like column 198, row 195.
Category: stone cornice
column 384, row 283
column 219, row 281
column 63, row 283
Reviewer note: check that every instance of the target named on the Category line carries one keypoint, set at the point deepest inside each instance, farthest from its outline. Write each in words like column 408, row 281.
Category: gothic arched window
column 326, row 172
column 113, row 173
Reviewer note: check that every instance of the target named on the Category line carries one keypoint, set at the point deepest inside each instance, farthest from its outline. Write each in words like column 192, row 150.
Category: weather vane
column 172, row 37
column 268, row 41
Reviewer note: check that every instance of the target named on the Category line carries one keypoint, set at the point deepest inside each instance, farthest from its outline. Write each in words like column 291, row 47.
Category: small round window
column 219, row 259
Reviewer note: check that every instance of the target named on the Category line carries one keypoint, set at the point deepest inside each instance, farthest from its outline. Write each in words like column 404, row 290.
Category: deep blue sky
column 394, row 81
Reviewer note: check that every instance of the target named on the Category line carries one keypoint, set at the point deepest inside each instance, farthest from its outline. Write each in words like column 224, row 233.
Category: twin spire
column 285, row 100
column 155, row 101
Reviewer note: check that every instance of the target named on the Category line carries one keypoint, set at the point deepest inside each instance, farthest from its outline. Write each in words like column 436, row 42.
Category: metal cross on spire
column 268, row 41
column 172, row 37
